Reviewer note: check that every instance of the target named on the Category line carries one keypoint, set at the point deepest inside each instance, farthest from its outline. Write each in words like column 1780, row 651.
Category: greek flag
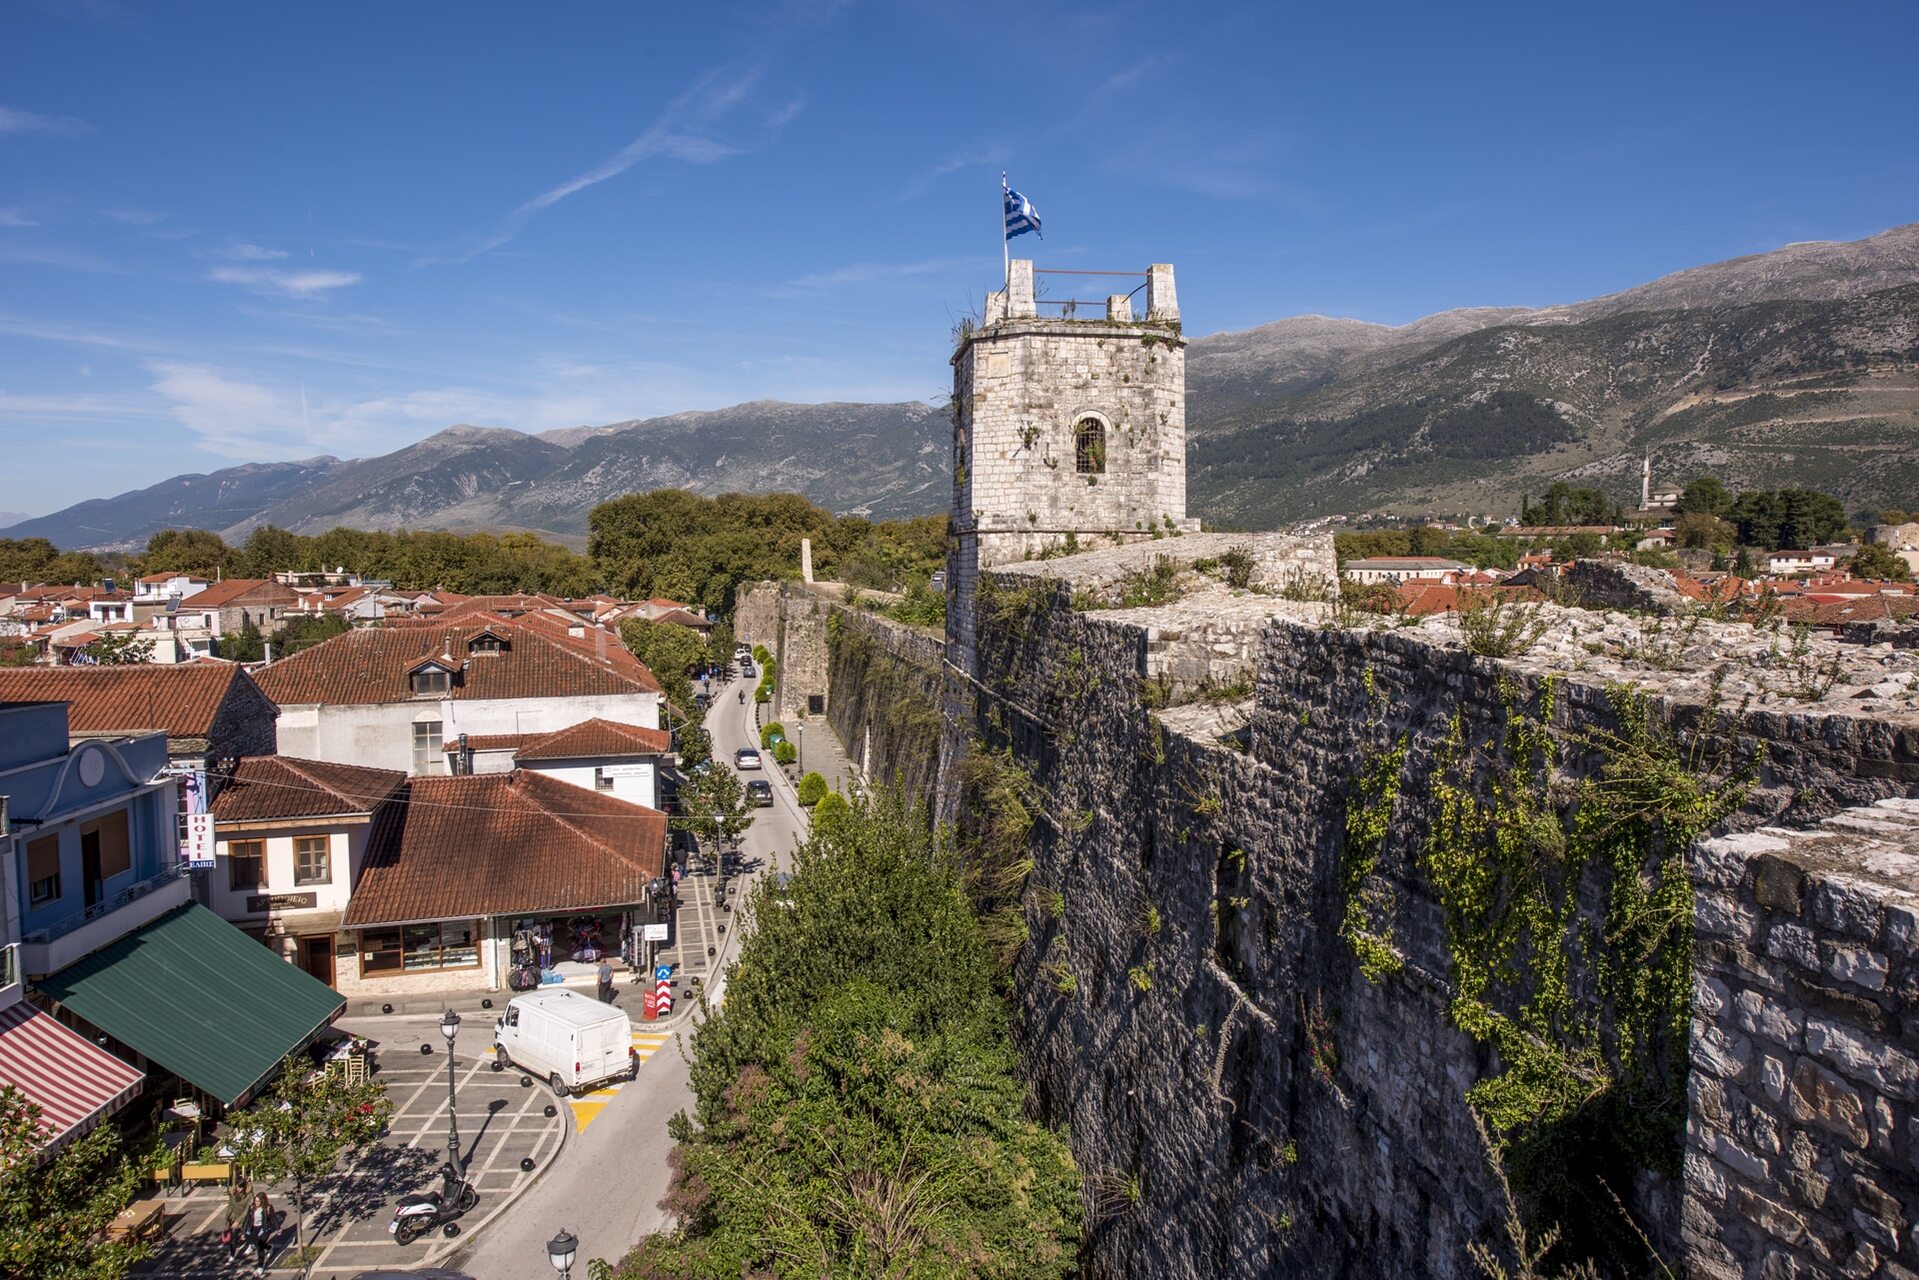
column 1020, row 215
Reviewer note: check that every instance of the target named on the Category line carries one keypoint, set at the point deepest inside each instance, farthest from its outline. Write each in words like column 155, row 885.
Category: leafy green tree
column 37, row 560
column 301, row 1126
column 1705, row 497
column 1878, row 561
column 713, row 806
column 785, row 752
column 812, row 789
column 1566, row 504
column 245, row 645
column 1742, row 564
column 53, row 1215
column 1697, row 530
column 1787, row 519
column 15, row 653
column 195, row 551
column 120, row 649
column 719, row 645
column 830, row 813
column 668, row 650
column 695, row 745
column 856, row 1109
column 1430, row 541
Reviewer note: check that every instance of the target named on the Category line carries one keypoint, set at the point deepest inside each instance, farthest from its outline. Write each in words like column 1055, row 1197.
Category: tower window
column 1089, row 447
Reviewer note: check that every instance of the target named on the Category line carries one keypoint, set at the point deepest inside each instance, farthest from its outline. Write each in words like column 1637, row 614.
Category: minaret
column 1645, row 482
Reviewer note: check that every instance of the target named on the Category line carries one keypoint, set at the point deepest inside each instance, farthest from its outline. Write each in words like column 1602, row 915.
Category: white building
column 394, row 697
column 1788, row 562
column 1398, row 569
column 290, row 839
column 621, row 760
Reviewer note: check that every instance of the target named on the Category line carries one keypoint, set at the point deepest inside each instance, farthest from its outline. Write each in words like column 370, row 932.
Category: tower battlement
column 1067, row 432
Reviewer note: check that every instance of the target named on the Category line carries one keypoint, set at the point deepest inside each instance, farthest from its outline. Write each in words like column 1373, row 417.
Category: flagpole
column 1005, row 246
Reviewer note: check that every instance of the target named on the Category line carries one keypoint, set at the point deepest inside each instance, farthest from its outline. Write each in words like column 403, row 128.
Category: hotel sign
column 280, row 901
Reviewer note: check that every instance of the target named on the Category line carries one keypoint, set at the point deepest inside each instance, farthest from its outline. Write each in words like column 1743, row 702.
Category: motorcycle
column 422, row 1211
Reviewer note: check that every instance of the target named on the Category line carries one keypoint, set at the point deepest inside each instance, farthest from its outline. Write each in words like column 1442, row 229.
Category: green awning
column 199, row 998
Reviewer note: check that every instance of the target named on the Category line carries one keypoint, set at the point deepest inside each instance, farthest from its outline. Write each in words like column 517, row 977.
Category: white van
column 570, row 1040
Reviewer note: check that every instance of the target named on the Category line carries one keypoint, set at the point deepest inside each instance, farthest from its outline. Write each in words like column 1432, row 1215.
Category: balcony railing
column 106, row 906
column 9, row 965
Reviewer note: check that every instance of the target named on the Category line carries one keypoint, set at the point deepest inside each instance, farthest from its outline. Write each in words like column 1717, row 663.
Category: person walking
column 605, row 975
column 239, row 1196
column 259, row 1228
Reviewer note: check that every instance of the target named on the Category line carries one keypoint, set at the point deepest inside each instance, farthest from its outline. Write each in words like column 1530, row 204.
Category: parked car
column 571, row 1041
column 746, row 758
column 760, row 792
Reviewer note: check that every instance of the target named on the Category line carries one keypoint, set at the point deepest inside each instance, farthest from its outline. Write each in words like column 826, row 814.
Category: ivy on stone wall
column 1568, row 914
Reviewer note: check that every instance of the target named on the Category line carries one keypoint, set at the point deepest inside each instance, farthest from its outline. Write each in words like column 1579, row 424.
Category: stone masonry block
column 1821, row 1098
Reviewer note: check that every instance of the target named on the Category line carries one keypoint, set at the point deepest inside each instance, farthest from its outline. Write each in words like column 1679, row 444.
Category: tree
column 17, row 653
column 784, row 752
column 856, row 1109
column 812, row 789
column 53, row 1214
column 1778, row 519
column 303, row 1124
column 1705, row 497
column 1742, row 565
column 120, row 649
column 1564, row 504
column 244, row 645
column 195, row 551
column 1698, row 531
column 668, row 650
column 713, row 806
column 830, row 814
column 695, row 745
column 37, row 560
column 1876, row 560
column 1430, row 541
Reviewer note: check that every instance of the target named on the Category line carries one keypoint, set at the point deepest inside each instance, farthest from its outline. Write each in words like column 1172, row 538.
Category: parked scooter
column 422, row 1211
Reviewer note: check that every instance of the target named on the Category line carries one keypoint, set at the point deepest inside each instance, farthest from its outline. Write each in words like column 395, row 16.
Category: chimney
column 806, row 559
column 599, row 642
column 267, row 651
column 464, row 762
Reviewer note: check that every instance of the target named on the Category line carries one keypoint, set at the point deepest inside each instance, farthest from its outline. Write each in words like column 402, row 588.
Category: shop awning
column 195, row 996
column 72, row 1081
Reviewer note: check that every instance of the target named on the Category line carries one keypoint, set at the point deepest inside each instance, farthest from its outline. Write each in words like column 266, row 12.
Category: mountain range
column 1798, row 366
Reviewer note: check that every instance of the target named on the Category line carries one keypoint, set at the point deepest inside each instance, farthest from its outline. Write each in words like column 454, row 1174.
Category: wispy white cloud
column 135, row 217
column 67, row 259
column 289, row 284
column 990, row 157
column 74, row 407
column 45, row 331
column 241, row 251
column 685, row 130
column 861, row 273
column 13, row 120
column 14, row 216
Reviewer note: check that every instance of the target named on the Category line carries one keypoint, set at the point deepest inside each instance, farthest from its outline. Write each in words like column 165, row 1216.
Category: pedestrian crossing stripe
column 587, row 1107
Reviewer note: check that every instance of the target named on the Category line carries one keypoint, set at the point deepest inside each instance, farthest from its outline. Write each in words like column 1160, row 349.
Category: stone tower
column 1065, row 431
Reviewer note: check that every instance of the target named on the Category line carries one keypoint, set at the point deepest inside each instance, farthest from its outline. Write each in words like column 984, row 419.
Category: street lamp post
column 450, row 1027
column 799, row 747
column 560, row 1251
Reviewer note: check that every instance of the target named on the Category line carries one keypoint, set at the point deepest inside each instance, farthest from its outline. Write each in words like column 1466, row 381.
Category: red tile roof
column 516, row 843
column 268, row 787
column 181, row 700
column 681, row 618
column 371, row 665
column 595, row 739
column 225, row 593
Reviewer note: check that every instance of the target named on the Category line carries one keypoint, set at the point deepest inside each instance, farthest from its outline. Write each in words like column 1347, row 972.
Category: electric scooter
column 422, row 1211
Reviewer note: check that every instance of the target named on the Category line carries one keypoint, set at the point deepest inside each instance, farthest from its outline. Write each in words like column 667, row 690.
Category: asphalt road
column 606, row 1185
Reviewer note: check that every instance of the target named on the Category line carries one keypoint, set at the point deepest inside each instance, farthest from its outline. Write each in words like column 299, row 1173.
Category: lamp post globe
column 450, row 1027
column 561, row 1250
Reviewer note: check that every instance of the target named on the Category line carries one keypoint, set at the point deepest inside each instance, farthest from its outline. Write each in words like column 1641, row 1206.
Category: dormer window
column 431, row 682
column 485, row 644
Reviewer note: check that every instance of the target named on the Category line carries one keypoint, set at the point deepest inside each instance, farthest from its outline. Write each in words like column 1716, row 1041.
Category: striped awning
column 72, row 1080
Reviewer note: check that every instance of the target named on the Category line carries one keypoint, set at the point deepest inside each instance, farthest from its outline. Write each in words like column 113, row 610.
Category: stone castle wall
column 1220, row 1056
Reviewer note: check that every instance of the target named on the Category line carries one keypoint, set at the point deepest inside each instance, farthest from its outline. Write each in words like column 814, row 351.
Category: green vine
column 1585, row 1009
column 1366, row 915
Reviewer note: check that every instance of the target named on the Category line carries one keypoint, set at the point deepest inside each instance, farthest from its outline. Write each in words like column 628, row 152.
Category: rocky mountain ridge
column 1797, row 366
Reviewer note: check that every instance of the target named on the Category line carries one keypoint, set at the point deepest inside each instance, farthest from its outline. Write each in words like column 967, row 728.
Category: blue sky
column 237, row 232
